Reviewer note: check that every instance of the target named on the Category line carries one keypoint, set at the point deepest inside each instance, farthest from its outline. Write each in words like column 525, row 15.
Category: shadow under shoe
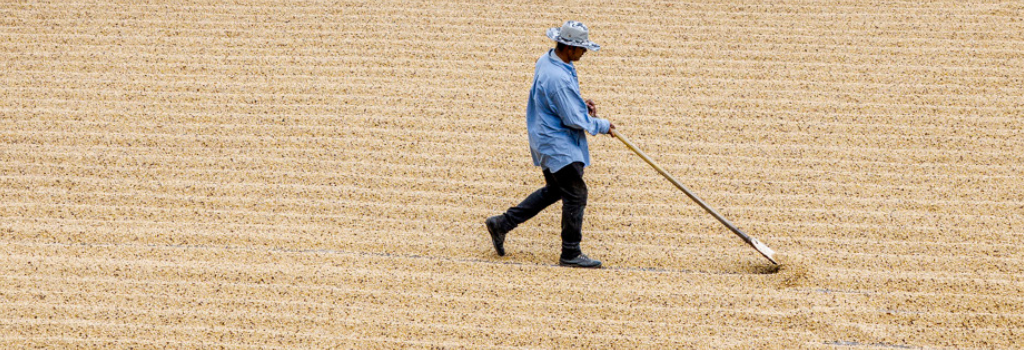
column 497, row 236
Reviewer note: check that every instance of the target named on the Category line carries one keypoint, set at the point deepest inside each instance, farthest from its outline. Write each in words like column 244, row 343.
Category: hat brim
column 553, row 32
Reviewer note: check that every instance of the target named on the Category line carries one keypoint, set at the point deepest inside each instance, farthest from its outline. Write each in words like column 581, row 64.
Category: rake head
column 764, row 250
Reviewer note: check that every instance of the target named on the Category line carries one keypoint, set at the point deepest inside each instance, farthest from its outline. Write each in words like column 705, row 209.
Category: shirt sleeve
column 571, row 108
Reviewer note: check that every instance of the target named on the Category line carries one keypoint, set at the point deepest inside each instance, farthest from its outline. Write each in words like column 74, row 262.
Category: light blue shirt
column 556, row 116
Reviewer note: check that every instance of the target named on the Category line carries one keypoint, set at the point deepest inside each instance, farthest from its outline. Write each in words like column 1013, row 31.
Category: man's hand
column 592, row 110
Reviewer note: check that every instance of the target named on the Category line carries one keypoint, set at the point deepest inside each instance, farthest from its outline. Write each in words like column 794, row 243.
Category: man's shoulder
column 549, row 71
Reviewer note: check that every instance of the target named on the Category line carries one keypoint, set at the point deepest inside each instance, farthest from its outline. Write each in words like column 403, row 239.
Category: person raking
column 557, row 117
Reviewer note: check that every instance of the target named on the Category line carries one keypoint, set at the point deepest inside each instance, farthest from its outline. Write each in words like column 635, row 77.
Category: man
column 556, row 119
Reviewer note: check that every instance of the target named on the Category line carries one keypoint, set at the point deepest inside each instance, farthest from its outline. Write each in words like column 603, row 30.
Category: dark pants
column 565, row 184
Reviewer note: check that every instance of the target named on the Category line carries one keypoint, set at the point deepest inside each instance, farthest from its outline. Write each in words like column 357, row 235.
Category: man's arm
column 574, row 111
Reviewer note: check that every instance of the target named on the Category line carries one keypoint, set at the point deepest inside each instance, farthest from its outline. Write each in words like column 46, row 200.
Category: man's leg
column 499, row 225
column 532, row 205
column 574, row 200
column 573, row 192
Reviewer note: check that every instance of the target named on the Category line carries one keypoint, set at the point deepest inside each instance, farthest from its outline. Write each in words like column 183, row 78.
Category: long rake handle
column 751, row 241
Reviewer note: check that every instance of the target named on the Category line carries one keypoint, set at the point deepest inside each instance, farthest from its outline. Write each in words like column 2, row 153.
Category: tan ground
column 314, row 174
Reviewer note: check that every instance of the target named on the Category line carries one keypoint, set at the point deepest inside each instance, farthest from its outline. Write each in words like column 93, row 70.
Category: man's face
column 575, row 53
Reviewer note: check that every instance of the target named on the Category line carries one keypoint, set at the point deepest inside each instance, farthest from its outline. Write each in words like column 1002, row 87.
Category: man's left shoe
column 580, row 261
column 497, row 237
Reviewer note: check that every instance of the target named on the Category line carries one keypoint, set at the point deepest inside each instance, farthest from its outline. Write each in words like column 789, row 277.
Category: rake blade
column 763, row 249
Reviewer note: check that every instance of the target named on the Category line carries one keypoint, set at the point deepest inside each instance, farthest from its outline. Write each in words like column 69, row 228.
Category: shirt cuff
column 603, row 125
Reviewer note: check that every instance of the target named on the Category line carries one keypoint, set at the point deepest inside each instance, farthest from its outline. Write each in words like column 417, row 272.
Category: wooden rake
column 753, row 242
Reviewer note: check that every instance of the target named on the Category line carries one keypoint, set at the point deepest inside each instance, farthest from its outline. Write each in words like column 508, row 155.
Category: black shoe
column 580, row 261
column 497, row 237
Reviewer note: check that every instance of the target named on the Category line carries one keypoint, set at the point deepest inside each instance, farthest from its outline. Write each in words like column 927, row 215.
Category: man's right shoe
column 497, row 237
column 580, row 261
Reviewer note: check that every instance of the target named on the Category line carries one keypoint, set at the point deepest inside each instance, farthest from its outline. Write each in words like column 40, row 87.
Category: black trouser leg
column 533, row 204
column 567, row 185
column 574, row 200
